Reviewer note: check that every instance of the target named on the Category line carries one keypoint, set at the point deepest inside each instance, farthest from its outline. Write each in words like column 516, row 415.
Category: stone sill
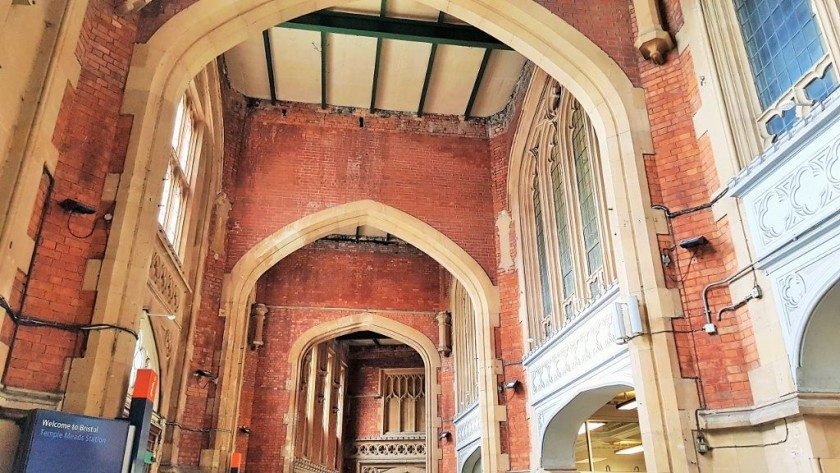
column 790, row 405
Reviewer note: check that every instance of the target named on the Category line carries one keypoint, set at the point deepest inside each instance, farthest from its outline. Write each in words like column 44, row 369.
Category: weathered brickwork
column 308, row 161
column 682, row 174
column 90, row 135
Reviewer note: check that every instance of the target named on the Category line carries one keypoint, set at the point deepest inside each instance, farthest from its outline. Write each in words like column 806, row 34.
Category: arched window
column 775, row 59
column 463, row 347
column 179, row 182
column 564, row 226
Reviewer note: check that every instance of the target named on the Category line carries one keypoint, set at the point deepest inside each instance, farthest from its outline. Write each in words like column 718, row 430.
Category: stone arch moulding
column 240, row 282
column 817, row 283
column 192, row 38
column 561, row 430
column 468, row 459
column 370, row 321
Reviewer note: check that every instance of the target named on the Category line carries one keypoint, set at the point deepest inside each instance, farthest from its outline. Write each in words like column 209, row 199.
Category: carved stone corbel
column 653, row 42
column 258, row 316
column 444, row 321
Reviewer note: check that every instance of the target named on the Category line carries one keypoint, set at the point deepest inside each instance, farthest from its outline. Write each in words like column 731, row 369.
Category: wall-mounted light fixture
column 204, row 374
column 512, row 384
column 445, row 435
column 245, row 429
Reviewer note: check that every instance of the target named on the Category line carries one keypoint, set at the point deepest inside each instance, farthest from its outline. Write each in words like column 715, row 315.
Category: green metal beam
column 477, row 84
column 375, row 87
column 428, row 78
column 323, row 69
column 269, row 64
column 395, row 28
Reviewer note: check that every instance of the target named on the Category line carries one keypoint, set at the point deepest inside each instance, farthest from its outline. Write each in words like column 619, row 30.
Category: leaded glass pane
column 819, row 88
column 586, row 193
column 567, row 273
column 782, row 41
column 545, row 288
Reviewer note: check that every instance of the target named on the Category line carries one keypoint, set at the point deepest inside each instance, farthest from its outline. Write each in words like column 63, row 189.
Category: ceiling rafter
column 375, row 86
column 395, row 28
column 477, row 85
column 429, row 67
column 269, row 64
column 324, row 70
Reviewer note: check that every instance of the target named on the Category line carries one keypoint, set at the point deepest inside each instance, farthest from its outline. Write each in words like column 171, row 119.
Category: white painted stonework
column 467, row 434
column 792, row 199
column 467, row 427
column 581, row 357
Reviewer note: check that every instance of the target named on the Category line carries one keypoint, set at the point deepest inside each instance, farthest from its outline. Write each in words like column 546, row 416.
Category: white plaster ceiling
column 350, row 65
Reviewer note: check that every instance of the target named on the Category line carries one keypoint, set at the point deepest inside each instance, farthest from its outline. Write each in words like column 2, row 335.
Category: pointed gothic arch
column 385, row 326
column 240, row 282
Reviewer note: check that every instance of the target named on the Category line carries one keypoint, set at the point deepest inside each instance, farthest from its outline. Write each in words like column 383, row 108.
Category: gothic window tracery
column 567, row 263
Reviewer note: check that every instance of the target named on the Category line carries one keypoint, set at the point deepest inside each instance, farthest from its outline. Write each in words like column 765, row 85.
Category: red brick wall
column 515, row 433
column 86, row 135
column 607, row 23
column 435, row 169
column 347, row 274
column 682, row 174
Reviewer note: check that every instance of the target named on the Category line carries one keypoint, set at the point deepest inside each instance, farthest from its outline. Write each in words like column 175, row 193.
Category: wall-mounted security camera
column 76, row 207
column 693, row 243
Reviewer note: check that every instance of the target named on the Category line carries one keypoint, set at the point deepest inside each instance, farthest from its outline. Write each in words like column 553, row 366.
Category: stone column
column 444, row 321
column 258, row 316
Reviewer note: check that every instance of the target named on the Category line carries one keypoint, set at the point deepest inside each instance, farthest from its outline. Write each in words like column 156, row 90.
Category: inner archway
column 820, row 350
column 400, row 419
column 572, row 429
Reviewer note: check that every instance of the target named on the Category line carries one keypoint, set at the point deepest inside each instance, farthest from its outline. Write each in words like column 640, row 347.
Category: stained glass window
column 567, row 273
column 586, row 193
column 783, row 43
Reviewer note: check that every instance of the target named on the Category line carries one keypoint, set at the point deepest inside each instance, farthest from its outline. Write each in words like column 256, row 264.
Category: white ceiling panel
column 453, row 76
column 297, row 64
column 412, row 10
column 500, row 77
column 402, row 71
column 246, row 68
column 362, row 7
column 350, row 63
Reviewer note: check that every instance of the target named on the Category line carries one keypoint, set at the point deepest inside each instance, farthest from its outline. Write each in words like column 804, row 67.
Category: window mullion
column 573, row 210
column 549, row 226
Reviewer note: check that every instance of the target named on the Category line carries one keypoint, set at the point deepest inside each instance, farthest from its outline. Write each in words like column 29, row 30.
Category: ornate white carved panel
column 467, row 427
column 580, row 348
column 791, row 195
column 795, row 186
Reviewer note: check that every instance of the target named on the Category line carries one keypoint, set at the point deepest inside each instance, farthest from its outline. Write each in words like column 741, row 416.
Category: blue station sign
column 59, row 442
